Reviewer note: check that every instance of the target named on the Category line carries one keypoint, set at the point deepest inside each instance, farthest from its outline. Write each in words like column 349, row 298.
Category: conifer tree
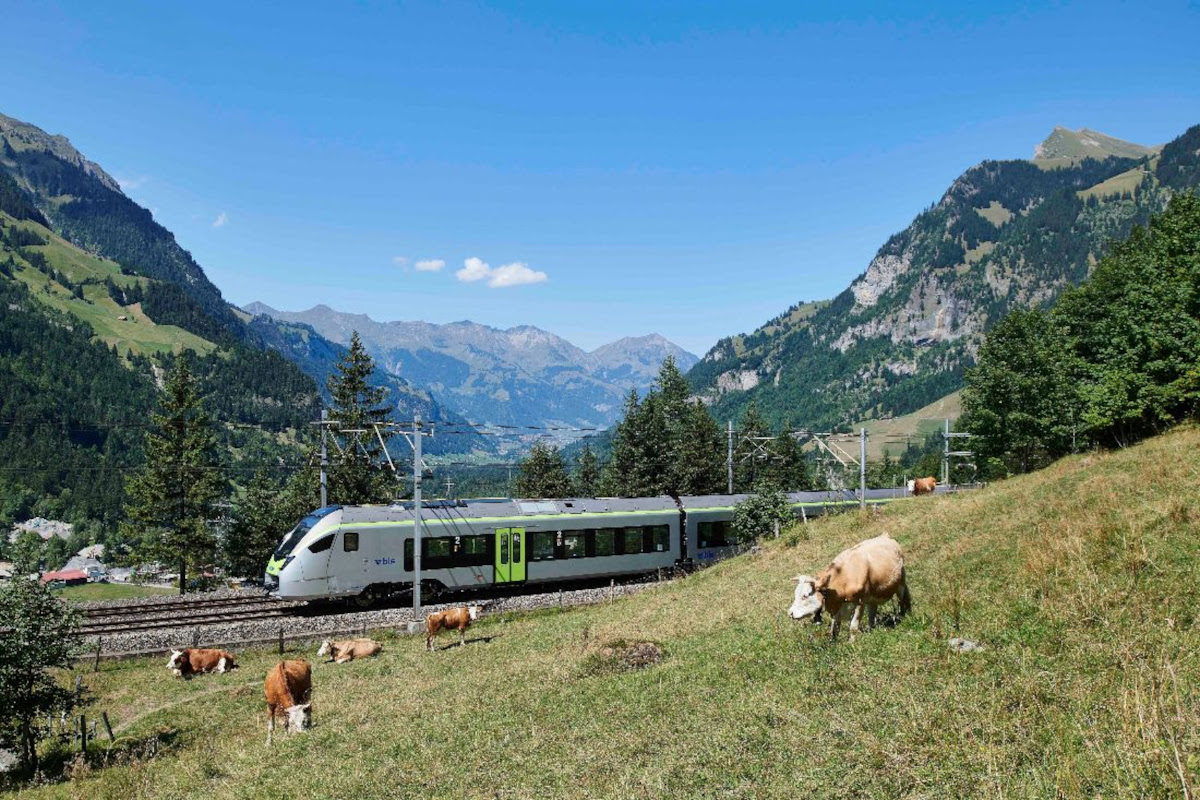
column 544, row 473
column 173, row 501
column 260, row 521
column 356, row 474
column 751, row 453
column 586, row 480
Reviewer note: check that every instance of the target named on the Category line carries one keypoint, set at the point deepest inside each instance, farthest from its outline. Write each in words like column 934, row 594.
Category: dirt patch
column 622, row 656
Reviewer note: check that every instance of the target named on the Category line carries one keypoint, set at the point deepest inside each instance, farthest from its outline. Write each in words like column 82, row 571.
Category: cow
column 288, row 689
column 922, row 486
column 452, row 618
column 349, row 649
column 191, row 661
column 868, row 574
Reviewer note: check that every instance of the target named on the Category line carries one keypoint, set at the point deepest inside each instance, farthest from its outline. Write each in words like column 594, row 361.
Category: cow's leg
column 854, row 618
column 221, row 666
column 270, row 725
column 429, row 642
column 462, row 636
column 836, row 624
column 871, row 610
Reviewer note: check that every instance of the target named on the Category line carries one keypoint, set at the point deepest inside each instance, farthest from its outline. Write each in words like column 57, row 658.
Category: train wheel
column 368, row 598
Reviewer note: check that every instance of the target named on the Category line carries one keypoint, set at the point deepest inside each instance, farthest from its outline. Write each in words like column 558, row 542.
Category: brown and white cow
column 192, row 660
column 922, row 486
column 288, row 689
column 451, row 619
column 868, row 574
column 349, row 649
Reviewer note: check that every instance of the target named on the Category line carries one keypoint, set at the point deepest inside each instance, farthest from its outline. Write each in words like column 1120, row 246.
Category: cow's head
column 473, row 612
column 175, row 662
column 326, row 648
column 911, row 485
column 808, row 602
column 299, row 717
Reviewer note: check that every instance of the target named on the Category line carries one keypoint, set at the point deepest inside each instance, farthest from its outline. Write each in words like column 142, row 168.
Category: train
column 365, row 553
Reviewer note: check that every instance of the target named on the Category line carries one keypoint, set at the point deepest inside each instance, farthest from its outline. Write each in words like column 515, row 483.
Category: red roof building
column 68, row 576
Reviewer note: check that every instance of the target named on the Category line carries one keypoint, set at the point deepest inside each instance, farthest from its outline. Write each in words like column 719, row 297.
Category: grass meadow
column 1080, row 581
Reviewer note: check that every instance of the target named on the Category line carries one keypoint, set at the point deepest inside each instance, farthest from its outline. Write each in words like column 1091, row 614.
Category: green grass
column 995, row 213
column 111, row 591
column 1082, row 582
column 885, row 434
column 137, row 332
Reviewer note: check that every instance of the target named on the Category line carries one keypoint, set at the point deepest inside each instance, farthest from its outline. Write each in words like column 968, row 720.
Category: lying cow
column 922, row 486
column 289, row 690
column 452, row 618
column 349, row 649
column 868, row 574
column 191, row 661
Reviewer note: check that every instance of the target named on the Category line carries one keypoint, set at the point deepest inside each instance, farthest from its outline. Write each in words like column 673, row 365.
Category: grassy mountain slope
column 1007, row 234
column 1081, row 582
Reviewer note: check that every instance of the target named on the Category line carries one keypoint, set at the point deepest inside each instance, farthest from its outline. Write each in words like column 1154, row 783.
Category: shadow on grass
column 476, row 640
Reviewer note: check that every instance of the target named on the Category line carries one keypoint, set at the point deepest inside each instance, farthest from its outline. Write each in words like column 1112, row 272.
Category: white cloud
column 429, row 265
column 221, row 219
column 474, row 269
column 514, row 274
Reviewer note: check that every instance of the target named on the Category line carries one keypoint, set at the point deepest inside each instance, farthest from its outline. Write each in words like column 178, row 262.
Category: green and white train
column 366, row 552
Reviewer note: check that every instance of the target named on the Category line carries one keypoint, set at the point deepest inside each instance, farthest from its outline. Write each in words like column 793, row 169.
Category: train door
column 510, row 555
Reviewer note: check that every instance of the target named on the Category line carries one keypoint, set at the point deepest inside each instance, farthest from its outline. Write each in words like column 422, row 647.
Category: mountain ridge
column 519, row 375
column 1004, row 235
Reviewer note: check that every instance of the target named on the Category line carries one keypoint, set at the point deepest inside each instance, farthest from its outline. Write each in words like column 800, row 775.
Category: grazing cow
column 191, row 661
column 452, row 618
column 349, row 649
column 289, row 690
column 922, row 486
column 867, row 574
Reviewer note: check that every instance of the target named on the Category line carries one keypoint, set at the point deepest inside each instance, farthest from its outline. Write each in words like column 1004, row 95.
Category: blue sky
column 598, row 169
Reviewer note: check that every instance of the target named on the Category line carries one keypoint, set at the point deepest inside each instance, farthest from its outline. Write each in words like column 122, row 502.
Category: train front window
column 293, row 538
column 322, row 544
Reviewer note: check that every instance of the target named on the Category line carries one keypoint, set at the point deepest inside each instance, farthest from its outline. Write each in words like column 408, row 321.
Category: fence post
column 195, row 637
column 83, row 733
column 99, row 645
column 280, row 640
column 107, row 726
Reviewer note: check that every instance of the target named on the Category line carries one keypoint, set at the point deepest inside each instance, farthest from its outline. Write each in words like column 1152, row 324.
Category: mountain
column 1005, row 235
column 519, row 376
column 114, row 299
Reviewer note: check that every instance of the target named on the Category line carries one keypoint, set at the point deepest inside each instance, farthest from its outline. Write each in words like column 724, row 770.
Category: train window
column 606, row 542
column 662, row 538
column 728, row 534
column 435, row 552
column 322, row 544
column 503, row 549
column 541, row 546
column 715, row 534
column 575, row 545
column 475, row 551
column 350, row 541
column 408, row 555
column 632, row 541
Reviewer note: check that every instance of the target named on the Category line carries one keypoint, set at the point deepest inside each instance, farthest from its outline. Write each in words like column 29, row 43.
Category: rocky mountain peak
column 23, row 136
column 1084, row 143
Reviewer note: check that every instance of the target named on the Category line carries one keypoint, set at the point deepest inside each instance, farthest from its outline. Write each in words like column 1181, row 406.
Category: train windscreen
column 297, row 533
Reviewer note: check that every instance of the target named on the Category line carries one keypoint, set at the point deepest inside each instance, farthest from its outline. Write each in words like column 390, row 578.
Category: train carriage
column 367, row 551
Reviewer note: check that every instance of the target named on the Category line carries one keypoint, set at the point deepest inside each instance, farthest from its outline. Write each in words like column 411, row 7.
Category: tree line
column 1115, row 360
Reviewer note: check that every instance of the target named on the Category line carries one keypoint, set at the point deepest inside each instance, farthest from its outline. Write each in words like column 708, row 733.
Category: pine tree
column 586, row 480
column 260, row 521
column 787, row 467
column 172, row 503
column 751, row 455
column 356, row 475
column 544, row 473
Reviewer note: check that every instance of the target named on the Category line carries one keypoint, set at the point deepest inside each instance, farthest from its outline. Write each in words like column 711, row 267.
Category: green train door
column 510, row 555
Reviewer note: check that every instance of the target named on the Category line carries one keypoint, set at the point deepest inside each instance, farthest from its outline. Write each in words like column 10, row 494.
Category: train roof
column 488, row 508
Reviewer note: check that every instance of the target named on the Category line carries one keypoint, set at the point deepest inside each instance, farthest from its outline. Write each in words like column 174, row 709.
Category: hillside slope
column 1005, row 235
column 1081, row 582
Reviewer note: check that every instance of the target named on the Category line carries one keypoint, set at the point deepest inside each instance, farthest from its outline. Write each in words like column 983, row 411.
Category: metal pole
column 417, row 517
column 946, row 456
column 324, row 455
column 862, row 467
column 729, row 458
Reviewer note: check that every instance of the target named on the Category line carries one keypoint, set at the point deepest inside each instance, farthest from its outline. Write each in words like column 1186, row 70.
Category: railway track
column 141, row 617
